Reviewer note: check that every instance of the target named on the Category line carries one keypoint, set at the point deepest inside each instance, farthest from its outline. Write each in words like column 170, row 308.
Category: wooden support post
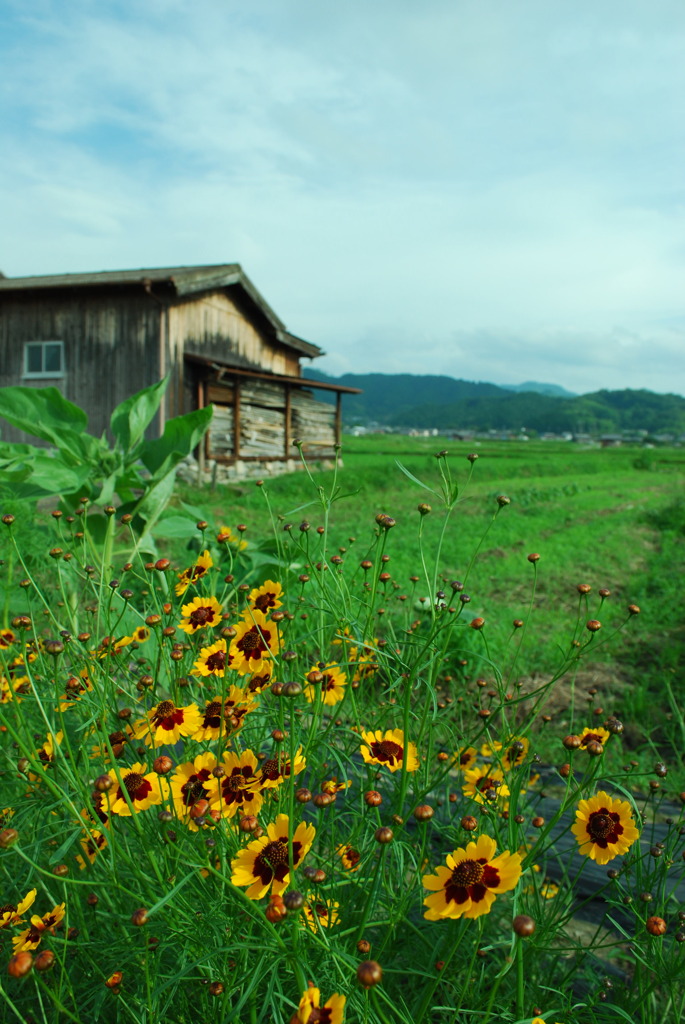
column 236, row 417
column 286, row 452
column 203, row 447
column 338, row 417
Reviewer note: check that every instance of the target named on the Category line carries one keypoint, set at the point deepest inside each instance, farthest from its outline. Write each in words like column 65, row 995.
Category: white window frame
column 37, row 374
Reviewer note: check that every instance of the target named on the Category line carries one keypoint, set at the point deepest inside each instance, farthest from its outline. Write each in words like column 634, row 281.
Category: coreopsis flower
column 76, row 686
column 350, row 857
column 166, row 723
column 238, row 790
column 260, row 680
column 485, row 785
column 255, row 644
column 193, row 781
column 26, row 941
column 465, row 758
column 275, row 770
column 388, row 749
column 139, row 635
column 213, row 660
column 514, row 752
column 144, row 789
column 11, row 914
column 265, row 863
column 365, row 666
column 471, row 881
column 194, row 574
column 598, row 734
column 91, row 844
column 320, row 915
column 227, row 536
column 7, row 638
column 539, row 1020
column 48, row 922
column 310, row 1010
column 116, row 740
column 46, row 754
column 604, row 827
column 224, row 718
column 267, row 597
column 200, row 613
column 331, row 689
column 335, row 786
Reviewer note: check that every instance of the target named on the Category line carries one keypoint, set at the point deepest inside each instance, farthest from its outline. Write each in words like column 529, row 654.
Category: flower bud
column 369, row 973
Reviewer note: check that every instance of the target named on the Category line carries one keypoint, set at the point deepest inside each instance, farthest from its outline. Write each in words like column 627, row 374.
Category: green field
column 609, row 518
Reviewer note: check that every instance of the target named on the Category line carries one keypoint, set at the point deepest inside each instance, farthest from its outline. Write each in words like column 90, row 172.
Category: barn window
column 44, row 359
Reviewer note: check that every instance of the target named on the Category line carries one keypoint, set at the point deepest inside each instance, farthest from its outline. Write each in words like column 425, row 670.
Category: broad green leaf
column 181, row 435
column 44, row 413
column 131, row 417
column 175, row 527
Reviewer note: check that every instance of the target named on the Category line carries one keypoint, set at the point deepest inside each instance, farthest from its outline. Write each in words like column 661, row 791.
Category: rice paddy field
column 396, row 742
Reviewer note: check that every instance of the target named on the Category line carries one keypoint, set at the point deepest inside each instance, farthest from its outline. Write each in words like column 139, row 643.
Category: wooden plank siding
column 256, row 420
column 111, row 347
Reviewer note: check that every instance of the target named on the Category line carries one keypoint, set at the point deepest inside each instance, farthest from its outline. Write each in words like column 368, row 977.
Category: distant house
column 101, row 337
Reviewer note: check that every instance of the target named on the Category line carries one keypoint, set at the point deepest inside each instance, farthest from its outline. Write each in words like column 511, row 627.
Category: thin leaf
column 416, row 479
column 131, row 417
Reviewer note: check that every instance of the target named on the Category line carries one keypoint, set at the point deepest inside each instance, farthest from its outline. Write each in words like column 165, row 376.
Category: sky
column 479, row 188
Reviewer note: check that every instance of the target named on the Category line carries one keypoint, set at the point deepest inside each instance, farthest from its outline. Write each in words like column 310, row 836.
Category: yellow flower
column 265, row 863
column 144, row 790
column 320, row 915
column 267, row 597
column 349, row 856
column 213, row 660
column 310, row 1010
column 254, row 645
column 195, row 573
column 276, row 770
column 465, row 757
column 604, row 827
column 388, row 749
column 469, row 884
column 598, row 734
column 227, row 536
column 11, row 914
column 91, row 844
column 200, row 613
column 485, row 785
column 331, row 686
column 193, row 781
column 166, row 723
column 514, row 752
column 224, row 718
column 238, row 790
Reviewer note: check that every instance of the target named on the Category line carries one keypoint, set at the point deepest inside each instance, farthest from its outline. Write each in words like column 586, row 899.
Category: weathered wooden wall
column 111, row 345
column 264, row 433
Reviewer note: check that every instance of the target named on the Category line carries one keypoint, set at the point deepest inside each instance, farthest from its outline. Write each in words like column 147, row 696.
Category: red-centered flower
column 331, row 689
column 143, row 790
column 238, row 790
column 604, row 827
column 388, row 749
column 224, row 718
column 193, row 781
column 195, row 573
column 166, row 723
column 200, row 613
column 469, row 884
column 485, row 785
column 91, row 846
column 350, row 857
column 267, row 597
column 213, row 660
column 598, row 734
column 11, row 913
column 310, row 1010
column 265, row 863
column 255, row 644
column 275, row 770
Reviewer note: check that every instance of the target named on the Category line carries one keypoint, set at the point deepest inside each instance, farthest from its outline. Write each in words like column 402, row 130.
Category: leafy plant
column 135, row 471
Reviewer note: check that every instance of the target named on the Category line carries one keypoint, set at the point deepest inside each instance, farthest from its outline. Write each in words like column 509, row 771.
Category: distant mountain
column 408, row 400
column 554, row 390
column 387, row 396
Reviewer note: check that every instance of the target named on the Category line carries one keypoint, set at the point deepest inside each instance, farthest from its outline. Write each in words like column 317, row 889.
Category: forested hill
column 407, row 400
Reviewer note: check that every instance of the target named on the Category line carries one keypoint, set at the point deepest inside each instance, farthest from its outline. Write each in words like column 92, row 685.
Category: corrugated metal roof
column 185, row 280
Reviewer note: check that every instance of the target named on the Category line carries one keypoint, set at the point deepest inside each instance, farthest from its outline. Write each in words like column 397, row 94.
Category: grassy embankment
column 608, row 518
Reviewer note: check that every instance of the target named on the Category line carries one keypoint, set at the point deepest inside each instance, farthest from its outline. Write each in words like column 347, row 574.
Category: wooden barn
column 101, row 337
